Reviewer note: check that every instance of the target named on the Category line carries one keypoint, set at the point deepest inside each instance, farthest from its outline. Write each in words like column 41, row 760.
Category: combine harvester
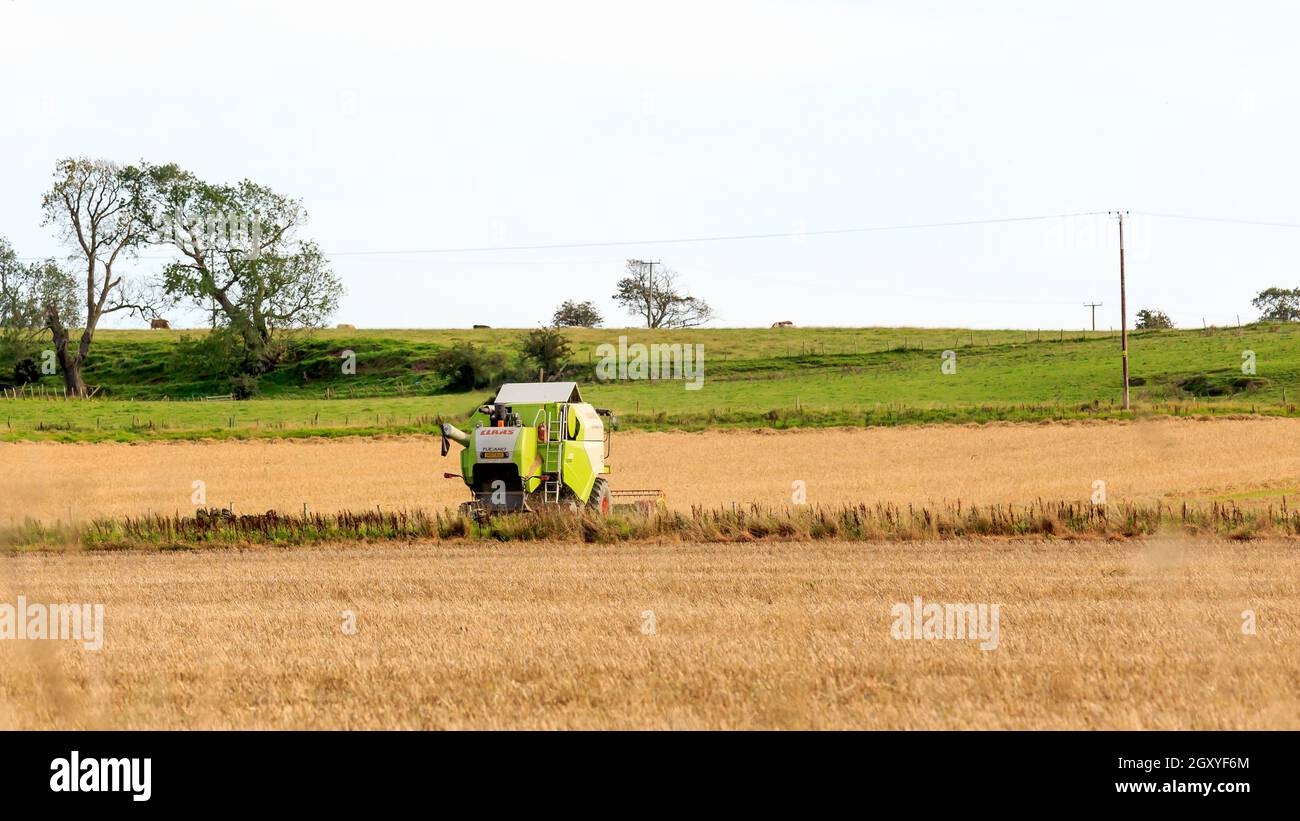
column 537, row 444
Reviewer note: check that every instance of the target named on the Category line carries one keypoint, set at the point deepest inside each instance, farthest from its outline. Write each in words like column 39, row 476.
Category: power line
column 1228, row 220
column 927, row 296
column 683, row 240
column 769, row 235
column 721, row 238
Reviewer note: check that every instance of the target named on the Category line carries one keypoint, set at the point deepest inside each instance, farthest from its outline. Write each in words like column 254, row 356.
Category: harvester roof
column 538, row 393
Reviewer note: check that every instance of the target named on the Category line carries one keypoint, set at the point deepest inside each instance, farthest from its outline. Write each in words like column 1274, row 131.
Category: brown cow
column 156, row 324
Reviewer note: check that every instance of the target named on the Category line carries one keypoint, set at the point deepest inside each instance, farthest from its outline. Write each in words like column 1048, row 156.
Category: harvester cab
column 537, row 444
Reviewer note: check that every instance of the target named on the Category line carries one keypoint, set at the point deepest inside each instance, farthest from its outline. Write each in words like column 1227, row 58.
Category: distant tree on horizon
column 656, row 298
column 1278, row 304
column 1148, row 319
column 577, row 315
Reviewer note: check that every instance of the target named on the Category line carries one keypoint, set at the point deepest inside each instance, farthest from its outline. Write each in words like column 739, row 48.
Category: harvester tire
column 599, row 500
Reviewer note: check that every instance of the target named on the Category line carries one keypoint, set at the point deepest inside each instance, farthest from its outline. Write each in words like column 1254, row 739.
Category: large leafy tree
column 657, row 298
column 25, row 291
column 1278, row 304
column 19, row 311
column 239, row 255
column 90, row 205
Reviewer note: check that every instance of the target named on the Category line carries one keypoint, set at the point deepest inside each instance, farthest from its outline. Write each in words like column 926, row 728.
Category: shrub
column 546, row 348
column 243, row 386
column 1148, row 319
column 1205, row 385
column 26, row 370
column 211, row 356
column 466, row 366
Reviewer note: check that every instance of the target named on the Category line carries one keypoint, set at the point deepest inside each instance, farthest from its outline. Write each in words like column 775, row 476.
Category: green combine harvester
column 538, row 444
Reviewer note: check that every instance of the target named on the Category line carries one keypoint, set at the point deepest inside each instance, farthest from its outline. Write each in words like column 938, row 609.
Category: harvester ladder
column 553, row 456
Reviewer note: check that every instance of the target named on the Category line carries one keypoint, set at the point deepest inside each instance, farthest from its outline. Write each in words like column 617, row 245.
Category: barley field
column 1253, row 461
column 545, row 635
column 1125, row 633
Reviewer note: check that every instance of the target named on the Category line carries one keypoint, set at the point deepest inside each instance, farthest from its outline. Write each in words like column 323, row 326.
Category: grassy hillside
column 155, row 364
column 779, row 378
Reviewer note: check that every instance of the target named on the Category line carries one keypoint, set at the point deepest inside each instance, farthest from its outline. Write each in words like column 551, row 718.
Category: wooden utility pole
column 1094, row 306
column 1123, row 307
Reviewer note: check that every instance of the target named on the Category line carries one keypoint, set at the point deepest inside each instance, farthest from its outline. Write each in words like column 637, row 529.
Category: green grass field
column 154, row 365
column 753, row 377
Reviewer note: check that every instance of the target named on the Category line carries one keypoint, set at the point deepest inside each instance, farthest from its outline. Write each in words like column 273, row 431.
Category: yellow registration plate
column 493, row 454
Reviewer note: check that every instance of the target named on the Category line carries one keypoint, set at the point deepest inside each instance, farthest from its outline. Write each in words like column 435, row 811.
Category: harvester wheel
column 599, row 500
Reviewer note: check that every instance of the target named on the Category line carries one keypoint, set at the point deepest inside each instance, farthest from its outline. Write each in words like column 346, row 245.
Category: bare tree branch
column 657, row 298
column 88, row 204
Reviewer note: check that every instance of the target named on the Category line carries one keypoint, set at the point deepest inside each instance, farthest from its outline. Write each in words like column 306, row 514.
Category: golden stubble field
column 1168, row 459
column 1123, row 634
column 761, row 635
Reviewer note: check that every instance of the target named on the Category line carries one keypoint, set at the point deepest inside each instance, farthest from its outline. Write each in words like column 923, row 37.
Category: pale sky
column 432, row 126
